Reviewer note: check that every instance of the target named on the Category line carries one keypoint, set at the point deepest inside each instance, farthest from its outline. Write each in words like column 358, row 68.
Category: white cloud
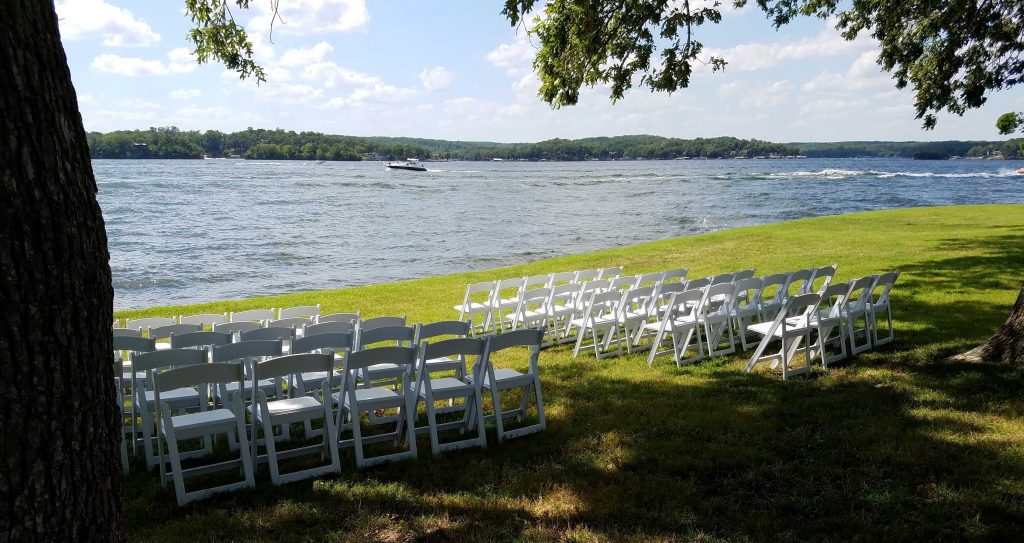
column 185, row 94
column 436, row 78
column 758, row 95
column 516, row 58
column 310, row 16
column 91, row 19
column 759, row 56
column 302, row 57
column 180, row 61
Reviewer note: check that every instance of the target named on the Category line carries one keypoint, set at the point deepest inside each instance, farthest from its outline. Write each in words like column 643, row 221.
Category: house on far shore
column 138, row 150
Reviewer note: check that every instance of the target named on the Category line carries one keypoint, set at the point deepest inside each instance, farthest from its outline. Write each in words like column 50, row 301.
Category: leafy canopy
column 953, row 53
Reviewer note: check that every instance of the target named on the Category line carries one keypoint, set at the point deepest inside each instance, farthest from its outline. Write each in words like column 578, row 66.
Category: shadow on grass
column 697, row 452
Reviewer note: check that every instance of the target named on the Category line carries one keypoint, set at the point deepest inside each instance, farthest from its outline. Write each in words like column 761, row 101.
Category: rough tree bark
column 59, row 444
column 1007, row 345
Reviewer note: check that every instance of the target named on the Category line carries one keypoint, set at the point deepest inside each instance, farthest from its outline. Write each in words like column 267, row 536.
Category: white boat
column 411, row 164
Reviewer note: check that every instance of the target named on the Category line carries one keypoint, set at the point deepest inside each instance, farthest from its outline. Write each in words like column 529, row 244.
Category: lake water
column 200, row 230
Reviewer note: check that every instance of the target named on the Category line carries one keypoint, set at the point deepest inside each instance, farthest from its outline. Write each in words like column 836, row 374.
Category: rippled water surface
column 199, row 230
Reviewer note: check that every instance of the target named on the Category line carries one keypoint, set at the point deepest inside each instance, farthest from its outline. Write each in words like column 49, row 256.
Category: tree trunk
column 1007, row 345
column 59, row 421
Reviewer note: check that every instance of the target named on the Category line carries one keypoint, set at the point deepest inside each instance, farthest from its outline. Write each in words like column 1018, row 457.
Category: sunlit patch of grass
column 899, row 443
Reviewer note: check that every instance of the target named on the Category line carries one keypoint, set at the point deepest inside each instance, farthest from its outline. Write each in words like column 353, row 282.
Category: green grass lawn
column 895, row 444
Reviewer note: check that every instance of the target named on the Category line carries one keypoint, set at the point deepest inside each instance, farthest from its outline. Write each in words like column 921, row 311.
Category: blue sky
column 457, row 70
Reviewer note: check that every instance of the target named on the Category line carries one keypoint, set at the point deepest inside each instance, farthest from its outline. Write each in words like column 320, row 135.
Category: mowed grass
column 897, row 444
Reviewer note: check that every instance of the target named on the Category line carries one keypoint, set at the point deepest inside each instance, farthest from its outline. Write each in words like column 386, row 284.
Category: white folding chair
column 679, row 322
column 587, row 290
column 716, row 318
column 432, row 389
column 622, row 284
column 633, row 312
column 179, row 399
column 791, row 332
column 748, row 307
column 497, row 381
column 505, row 300
column 296, row 408
column 677, row 275
column 298, row 324
column 204, row 319
column 310, row 312
column 721, row 278
column 126, row 378
column 337, row 344
column 144, row 324
column 379, row 322
column 401, row 336
column 248, row 353
column 699, row 283
column 828, row 322
column 194, row 340
column 352, row 402
column 599, row 320
column 285, row 334
column 237, row 328
column 858, row 314
column 797, row 283
column 476, row 302
column 255, row 315
column 880, row 305
column 207, row 422
column 582, row 276
column 530, row 312
column 559, row 310
column 743, row 274
column 560, row 278
column 649, row 279
column 445, row 330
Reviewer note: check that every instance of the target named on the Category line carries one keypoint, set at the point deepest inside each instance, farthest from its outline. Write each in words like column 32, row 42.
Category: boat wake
column 844, row 174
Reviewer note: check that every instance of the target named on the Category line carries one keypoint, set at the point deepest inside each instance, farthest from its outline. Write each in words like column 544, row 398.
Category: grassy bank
column 896, row 444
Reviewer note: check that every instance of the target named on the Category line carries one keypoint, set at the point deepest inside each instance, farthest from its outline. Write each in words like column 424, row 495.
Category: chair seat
column 202, row 419
column 291, row 407
column 373, row 398
column 175, row 396
column 139, row 376
column 445, row 386
column 262, row 383
column 793, row 325
column 318, row 377
column 438, row 364
column 683, row 322
column 472, row 307
column 507, row 378
column 383, row 371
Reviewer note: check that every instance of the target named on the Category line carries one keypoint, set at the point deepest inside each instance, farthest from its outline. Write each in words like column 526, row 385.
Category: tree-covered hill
column 912, row 149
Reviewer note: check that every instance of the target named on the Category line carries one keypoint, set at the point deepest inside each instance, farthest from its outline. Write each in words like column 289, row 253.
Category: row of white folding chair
column 832, row 315
column 188, row 371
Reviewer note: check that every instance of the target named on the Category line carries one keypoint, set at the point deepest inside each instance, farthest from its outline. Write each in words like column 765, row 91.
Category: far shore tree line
column 260, row 144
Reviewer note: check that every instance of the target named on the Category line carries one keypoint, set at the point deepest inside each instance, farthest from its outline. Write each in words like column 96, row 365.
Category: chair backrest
column 252, row 315
column 645, row 279
column 136, row 344
column 698, row 283
column 308, row 311
column 148, row 322
column 442, row 328
column 748, row 293
column 350, row 318
column 403, row 335
column 601, row 304
column 582, row 276
column 473, row 289
column 126, row 332
column 200, row 339
column 533, row 282
column 833, row 299
column 859, row 296
column 290, row 322
column 800, row 305
column 560, row 278
column 335, row 342
column 724, row 294
column 396, row 355
column 503, row 287
column 688, row 303
column 610, row 273
column 517, row 338
column 247, row 349
column 743, row 274
column 637, row 301
column 203, row 319
column 562, row 295
column 452, row 347
column 377, row 322
column 160, row 332
column 797, row 283
column 337, row 327
column 772, row 288
column 722, row 278
column 534, row 299
column 676, row 275
column 268, row 333
column 237, row 327
column 168, row 358
column 198, row 374
column 622, row 283
column 295, row 364
column 885, row 282
column 820, row 277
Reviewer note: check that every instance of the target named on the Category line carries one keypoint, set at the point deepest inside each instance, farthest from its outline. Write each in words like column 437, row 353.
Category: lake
column 200, row 230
